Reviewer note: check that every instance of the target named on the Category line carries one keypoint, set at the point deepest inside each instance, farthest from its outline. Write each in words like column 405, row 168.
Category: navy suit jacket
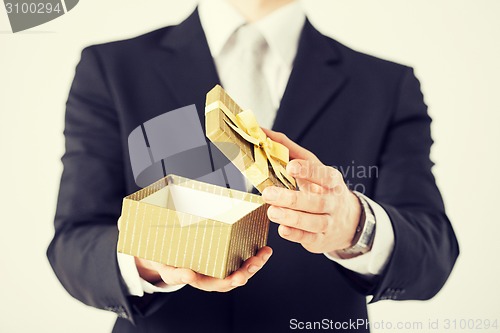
column 349, row 108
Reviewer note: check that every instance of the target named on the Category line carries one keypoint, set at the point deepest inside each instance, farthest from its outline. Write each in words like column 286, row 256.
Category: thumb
column 296, row 151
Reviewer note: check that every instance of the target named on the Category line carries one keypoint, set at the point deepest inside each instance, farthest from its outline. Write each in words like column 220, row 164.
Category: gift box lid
column 229, row 127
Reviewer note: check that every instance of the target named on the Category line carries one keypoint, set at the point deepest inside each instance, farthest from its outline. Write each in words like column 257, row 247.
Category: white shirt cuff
column 373, row 262
column 136, row 285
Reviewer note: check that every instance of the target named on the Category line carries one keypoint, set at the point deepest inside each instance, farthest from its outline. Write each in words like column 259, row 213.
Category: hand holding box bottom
column 159, row 274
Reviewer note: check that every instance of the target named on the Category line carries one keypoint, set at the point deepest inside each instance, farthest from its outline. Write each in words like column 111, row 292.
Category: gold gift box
column 212, row 237
column 224, row 227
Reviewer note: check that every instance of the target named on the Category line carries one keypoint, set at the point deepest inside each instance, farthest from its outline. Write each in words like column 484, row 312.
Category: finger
column 237, row 278
column 299, row 236
column 315, row 172
column 208, row 283
column 315, row 223
column 298, row 200
column 146, row 264
column 296, row 151
column 250, row 267
column 307, row 186
column 174, row 276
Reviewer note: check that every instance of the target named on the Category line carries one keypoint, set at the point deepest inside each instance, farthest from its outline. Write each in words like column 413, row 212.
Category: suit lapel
column 315, row 79
column 187, row 66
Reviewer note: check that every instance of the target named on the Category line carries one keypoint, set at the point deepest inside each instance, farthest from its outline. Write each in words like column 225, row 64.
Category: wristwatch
column 365, row 232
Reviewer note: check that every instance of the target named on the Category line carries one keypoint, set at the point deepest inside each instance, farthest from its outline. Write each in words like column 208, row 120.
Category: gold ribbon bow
column 265, row 149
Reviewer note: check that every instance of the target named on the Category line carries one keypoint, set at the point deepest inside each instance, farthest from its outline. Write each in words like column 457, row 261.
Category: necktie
column 248, row 84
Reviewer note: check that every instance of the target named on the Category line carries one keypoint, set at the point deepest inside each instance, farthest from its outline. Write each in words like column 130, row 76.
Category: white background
column 453, row 45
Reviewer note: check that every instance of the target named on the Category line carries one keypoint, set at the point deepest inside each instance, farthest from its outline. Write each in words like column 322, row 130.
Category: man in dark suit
column 389, row 239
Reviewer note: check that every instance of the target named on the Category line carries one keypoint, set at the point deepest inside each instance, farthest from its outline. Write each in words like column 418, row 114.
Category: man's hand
column 155, row 273
column 324, row 214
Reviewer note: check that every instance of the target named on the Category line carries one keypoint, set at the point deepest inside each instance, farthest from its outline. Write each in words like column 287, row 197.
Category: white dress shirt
column 281, row 29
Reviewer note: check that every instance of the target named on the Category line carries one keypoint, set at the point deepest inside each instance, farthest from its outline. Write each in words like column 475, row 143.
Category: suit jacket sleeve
column 83, row 250
column 425, row 248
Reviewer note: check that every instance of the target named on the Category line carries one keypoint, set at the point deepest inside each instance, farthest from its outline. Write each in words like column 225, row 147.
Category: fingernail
column 293, row 168
column 266, row 257
column 270, row 193
column 252, row 269
column 276, row 213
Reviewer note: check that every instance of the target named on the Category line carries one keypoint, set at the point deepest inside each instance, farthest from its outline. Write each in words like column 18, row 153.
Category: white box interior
column 202, row 204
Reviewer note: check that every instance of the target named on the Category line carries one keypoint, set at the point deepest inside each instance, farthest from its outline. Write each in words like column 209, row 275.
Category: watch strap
column 365, row 232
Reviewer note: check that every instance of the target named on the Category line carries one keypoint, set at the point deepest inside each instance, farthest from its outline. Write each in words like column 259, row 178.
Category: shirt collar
column 281, row 28
column 219, row 21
